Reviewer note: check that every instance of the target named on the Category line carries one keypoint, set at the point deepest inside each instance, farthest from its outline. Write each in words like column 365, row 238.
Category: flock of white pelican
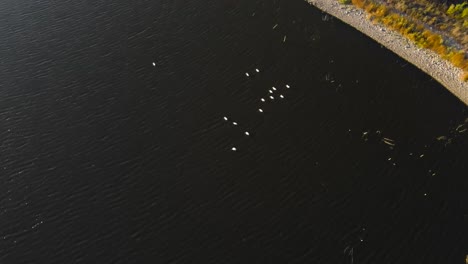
column 271, row 93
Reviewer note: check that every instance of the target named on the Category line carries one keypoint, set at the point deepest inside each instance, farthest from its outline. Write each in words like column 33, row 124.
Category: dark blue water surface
column 107, row 159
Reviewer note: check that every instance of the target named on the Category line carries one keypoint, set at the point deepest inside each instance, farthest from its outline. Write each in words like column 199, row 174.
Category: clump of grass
column 458, row 10
column 457, row 58
column 358, row 3
column 345, row 2
column 465, row 79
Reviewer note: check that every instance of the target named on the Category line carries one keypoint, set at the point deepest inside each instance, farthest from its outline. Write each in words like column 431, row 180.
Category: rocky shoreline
column 431, row 63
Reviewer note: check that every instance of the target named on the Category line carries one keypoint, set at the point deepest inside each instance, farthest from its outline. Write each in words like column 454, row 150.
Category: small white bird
column 247, row 74
column 260, row 110
column 234, row 123
column 271, row 97
column 233, row 149
column 273, row 88
column 257, row 70
column 247, row 133
column 263, row 100
column 287, row 86
column 225, row 118
column 281, row 96
column 270, row 91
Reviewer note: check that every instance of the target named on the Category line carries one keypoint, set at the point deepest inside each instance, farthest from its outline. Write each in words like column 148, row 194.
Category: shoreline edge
column 428, row 61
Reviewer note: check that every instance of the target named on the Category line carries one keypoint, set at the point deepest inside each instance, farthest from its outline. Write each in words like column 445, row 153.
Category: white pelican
column 260, row 110
column 270, row 91
column 247, row 74
column 247, row 133
column 154, row 64
column 287, row 86
column 281, row 96
column 234, row 123
column 233, row 149
column 273, row 88
column 225, row 118
column 257, row 70
column 271, row 97
column 263, row 100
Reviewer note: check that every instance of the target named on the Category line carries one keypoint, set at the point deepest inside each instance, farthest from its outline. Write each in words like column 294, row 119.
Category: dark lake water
column 107, row 159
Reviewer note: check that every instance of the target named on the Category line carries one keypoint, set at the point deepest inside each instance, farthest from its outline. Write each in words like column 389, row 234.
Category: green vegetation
column 345, row 2
column 438, row 27
column 458, row 10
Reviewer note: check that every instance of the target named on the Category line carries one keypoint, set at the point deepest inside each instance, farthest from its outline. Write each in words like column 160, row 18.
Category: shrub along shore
column 427, row 46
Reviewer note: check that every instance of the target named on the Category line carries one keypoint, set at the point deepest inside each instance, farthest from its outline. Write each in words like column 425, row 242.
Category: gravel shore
column 441, row 70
